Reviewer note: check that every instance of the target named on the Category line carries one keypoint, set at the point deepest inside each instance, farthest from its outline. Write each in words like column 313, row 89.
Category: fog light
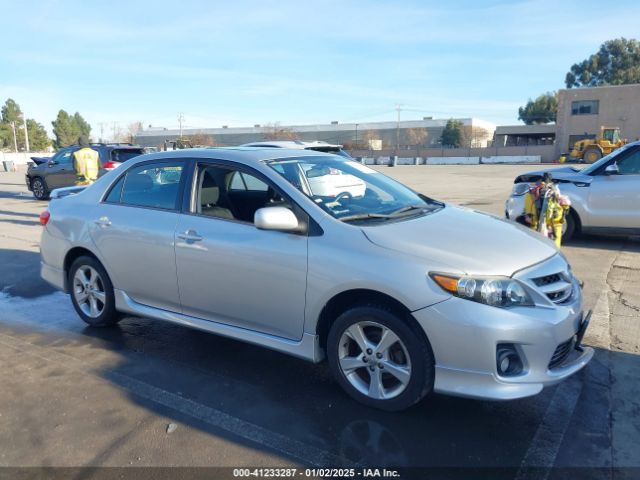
column 508, row 360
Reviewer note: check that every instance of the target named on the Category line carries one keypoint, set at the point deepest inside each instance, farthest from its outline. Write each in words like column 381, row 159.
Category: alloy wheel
column 38, row 188
column 89, row 291
column 374, row 360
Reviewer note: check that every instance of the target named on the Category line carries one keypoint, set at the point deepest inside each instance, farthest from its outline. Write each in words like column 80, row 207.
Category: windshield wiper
column 364, row 216
column 407, row 209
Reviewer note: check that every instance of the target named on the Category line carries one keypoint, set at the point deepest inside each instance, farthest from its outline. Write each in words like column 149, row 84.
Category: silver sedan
column 402, row 294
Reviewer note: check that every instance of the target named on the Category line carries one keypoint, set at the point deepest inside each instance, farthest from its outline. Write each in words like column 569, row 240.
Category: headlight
column 520, row 189
column 501, row 292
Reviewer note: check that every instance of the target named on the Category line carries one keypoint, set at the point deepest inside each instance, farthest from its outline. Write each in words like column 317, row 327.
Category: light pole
column 15, row 139
column 398, row 108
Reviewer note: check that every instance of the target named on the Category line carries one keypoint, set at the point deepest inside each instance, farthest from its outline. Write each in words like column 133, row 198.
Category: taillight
column 110, row 165
column 44, row 217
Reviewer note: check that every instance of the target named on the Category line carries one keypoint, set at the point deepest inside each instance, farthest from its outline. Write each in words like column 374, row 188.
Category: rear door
column 134, row 232
column 614, row 200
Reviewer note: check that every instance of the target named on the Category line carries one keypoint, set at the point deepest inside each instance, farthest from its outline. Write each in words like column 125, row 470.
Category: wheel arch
column 576, row 217
column 342, row 301
column 71, row 256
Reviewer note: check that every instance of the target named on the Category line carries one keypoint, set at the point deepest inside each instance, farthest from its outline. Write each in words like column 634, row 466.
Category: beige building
column 582, row 111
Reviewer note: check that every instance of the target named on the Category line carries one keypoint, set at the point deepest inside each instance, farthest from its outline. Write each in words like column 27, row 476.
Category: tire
column 89, row 281
column 592, row 155
column 39, row 189
column 409, row 357
column 570, row 230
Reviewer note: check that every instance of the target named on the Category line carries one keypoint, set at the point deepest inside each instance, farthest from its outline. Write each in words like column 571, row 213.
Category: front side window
column 630, row 165
column 585, row 107
column 232, row 194
column 63, row 156
column 150, row 185
column 350, row 191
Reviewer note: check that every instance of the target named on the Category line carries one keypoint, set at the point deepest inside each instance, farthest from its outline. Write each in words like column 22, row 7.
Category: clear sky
column 242, row 62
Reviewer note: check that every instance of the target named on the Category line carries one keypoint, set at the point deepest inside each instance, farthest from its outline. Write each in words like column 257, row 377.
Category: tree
column 68, row 128
column 11, row 112
column 274, row 131
column 38, row 139
column 473, row 136
column 541, row 110
column 201, row 139
column 617, row 62
column 416, row 137
column 81, row 124
column 132, row 131
column 370, row 138
column 452, row 134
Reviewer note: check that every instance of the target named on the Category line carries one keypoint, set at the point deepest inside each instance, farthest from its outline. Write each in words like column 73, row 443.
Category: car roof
column 293, row 144
column 242, row 154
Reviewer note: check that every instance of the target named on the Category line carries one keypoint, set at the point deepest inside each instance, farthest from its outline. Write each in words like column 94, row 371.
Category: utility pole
column 26, row 133
column 398, row 109
column 101, row 124
column 180, row 120
column 15, row 139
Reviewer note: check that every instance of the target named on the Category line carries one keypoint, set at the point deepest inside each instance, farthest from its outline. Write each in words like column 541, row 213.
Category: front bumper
column 465, row 335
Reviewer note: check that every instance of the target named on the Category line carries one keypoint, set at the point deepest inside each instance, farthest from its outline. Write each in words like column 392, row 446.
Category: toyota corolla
column 401, row 293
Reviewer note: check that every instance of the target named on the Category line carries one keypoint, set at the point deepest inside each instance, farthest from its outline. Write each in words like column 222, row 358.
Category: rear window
column 125, row 154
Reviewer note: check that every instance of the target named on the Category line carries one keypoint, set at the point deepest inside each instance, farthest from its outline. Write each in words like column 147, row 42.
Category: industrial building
column 406, row 134
column 582, row 111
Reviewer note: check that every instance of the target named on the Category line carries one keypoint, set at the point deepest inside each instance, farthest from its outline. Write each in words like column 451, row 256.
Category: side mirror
column 276, row 218
column 51, row 163
column 612, row 169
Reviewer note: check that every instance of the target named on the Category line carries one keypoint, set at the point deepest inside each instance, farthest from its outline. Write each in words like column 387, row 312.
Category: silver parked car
column 605, row 196
column 402, row 294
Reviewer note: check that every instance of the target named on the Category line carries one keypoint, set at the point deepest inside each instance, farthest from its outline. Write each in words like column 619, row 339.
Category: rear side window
column 122, row 155
column 151, row 185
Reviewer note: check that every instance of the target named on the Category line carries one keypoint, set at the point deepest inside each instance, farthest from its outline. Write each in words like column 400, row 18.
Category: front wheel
column 39, row 189
column 592, row 155
column 92, row 292
column 379, row 358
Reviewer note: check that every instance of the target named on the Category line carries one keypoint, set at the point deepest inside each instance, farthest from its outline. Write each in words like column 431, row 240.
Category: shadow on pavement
column 20, row 273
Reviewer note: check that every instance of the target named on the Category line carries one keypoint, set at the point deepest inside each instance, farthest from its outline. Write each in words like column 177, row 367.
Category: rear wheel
column 592, row 155
column 92, row 292
column 39, row 189
column 379, row 358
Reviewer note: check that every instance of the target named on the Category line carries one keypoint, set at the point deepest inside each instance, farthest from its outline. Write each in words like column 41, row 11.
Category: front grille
column 548, row 279
column 561, row 353
column 558, row 287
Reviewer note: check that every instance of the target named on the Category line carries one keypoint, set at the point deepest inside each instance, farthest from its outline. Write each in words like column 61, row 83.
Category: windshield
column 352, row 192
column 595, row 166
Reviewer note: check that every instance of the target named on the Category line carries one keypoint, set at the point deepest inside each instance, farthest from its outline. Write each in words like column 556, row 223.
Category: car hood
column 561, row 175
column 469, row 241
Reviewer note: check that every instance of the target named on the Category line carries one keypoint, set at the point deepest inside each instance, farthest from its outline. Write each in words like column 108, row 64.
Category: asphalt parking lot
column 147, row 393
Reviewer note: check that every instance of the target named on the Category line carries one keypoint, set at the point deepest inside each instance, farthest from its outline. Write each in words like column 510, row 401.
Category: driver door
column 231, row 272
column 60, row 171
column 614, row 199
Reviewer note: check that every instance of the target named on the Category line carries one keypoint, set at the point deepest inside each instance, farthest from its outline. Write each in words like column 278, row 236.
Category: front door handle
column 190, row 236
column 103, row 222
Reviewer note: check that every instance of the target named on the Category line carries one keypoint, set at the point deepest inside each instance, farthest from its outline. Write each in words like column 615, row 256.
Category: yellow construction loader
column 591, row 150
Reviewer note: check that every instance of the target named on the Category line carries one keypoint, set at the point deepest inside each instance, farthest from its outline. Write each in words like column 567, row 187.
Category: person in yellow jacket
column 546, row 196
column 86, row 163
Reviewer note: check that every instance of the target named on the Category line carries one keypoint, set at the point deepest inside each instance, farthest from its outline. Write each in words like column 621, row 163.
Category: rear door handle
column 190, row 236
column 103, row 222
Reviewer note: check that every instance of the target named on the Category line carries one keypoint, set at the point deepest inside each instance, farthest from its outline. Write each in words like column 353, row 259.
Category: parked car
column 45, row 174
column 325, row 181
column 403, row 294
column 605, row 196
column 318, row 146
